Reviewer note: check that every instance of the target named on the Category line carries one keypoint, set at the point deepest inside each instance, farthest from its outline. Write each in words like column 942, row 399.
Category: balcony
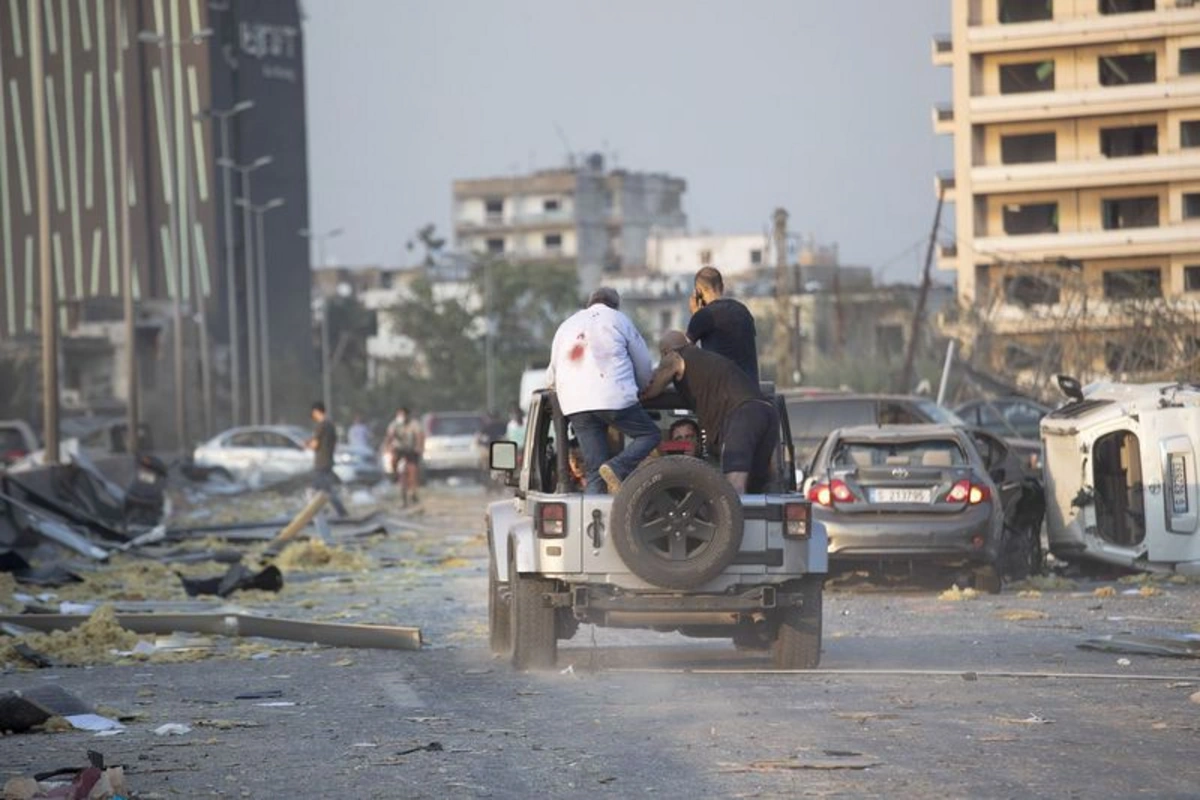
column 947, row 255
column 1096, row 172
column 943, row 50
column 943, row 118
column 1095, row 101
column 558, row 220
column 1092, row 30
column 945, row 185
column 1083, row 245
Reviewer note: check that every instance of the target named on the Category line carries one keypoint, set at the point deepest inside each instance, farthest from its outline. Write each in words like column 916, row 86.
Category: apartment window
column 1031, row 218
column 550, row 205
column 1028, row 148
column 756, row 256
column 1034, row 76
column 1132, row 284
column 1129, row 212
column 493, row 207
column 1017, row 357
column 1189, row 61
column 1125, row 6
column 1126, row 70
column 1189, row 133
column 552, row 241
column 664, row 320
column 706, row 258
column 1146, row 356
column 1139, row 140
column 1191, row 205
column 1191, row 278
column 495, row 246
column 1031, row 290
column 1025, row 10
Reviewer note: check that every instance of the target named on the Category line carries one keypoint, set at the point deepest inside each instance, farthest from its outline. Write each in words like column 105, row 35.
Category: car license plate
column 901, row 495
column 1179, row 487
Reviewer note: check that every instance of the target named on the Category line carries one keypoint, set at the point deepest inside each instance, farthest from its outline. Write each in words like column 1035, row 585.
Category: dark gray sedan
column 927, row 493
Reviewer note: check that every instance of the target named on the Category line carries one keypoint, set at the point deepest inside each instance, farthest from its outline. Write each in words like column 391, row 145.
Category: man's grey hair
column 606, row 295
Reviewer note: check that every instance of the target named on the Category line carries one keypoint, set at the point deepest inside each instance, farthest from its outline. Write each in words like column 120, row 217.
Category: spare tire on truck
column 676, row 522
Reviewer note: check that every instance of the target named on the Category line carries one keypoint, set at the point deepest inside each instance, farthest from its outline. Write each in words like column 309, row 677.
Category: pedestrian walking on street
column 405, row 440
column 359, row 434
column 323, row 444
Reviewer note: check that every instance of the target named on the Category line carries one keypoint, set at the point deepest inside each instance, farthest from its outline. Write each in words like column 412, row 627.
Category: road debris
column 172, row 729
column 237, row 578
column 832, row 760
column 1021, row 615
column 388, row 637
column 1186, row 645
column 955, row 594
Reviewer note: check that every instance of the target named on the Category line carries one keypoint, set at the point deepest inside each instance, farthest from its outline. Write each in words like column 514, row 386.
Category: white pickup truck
column 676, row 549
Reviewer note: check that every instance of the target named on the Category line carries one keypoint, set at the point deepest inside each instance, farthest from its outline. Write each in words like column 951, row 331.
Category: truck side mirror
column 502, row 456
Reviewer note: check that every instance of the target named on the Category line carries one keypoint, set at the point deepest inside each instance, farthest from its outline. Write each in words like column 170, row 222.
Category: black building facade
column 182, row 59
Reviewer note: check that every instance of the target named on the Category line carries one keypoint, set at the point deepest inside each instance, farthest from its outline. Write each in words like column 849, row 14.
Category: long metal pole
column 488, row 357
column 201, row 300
column 49, row 294
column 132, row 407
column 326, row 367
column 914, row 332
column 235, row 357
column 251, row 304
column 264, row 336
column 175, row 266
column 782, row 335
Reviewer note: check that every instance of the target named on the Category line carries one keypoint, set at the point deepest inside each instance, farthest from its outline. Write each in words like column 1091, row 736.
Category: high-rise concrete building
column 1076, row 184
column 239, row 54
column 599, row 219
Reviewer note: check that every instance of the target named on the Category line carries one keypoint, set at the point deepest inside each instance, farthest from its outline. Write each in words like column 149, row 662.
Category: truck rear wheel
column 499, row 612
column 677, row 522
column 534, row 633
column 798, row 643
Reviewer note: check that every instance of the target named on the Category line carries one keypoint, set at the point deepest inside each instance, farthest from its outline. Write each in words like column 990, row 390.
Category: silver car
column 268, row 453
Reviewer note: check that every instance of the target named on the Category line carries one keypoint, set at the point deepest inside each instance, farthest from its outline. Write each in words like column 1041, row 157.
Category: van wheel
column 798, row 644
column 499, row 612
column 677, row 522
column 534, row 633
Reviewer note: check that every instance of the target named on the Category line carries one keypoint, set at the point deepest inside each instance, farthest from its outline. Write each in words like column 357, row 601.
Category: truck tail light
column 550, row 520
column 797, row 520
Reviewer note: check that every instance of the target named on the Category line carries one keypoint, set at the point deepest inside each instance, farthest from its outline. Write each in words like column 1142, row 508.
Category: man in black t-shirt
column 721, row 324
column 741, row 424
column 323, row 443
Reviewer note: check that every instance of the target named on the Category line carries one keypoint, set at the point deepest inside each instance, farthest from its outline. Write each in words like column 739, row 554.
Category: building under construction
column 1076, row 186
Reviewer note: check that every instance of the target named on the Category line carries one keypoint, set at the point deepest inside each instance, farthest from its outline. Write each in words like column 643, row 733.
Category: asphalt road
column 917, row 697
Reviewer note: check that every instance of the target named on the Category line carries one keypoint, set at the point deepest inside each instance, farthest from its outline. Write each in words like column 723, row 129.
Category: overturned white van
column 1120, row 475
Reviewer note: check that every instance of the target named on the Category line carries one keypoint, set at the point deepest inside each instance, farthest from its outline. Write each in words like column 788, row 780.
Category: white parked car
column 270, row 453
column 452, row 442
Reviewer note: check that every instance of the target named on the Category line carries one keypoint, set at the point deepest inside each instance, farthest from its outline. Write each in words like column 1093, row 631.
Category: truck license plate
column 1179, row 487
column 901, row 495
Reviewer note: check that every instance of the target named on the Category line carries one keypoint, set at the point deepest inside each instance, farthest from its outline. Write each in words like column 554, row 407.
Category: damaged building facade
column 218, row 55
column 600, row 219
column 1076, row 186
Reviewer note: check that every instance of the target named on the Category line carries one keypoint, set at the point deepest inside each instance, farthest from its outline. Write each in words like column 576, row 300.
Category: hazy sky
column 821, row 106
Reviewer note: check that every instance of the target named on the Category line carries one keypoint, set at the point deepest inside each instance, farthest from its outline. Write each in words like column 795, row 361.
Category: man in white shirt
column 598, row 364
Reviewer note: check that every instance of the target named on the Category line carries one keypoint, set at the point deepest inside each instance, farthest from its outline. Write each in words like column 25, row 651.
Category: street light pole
column 252, row 346
column 132, row 401
column 326, row 367
column 235, row 359
column 263, row 326
column 175, row 249
column 49, row 292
